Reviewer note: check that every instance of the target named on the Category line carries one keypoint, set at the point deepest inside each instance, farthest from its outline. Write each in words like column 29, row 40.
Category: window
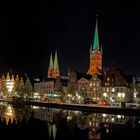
column 96, row 124
column 108, row 79
column 107, row 89
column 113, row 89
column 90, row 84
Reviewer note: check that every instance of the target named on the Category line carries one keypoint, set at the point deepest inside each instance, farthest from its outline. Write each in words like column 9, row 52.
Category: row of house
column 11, row 85
column 113, row 85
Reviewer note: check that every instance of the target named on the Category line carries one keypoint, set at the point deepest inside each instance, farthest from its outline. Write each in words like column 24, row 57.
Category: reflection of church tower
column 53, row 71
column 95, row 54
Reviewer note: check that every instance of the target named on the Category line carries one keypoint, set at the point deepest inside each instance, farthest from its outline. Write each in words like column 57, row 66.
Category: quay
column 118, row 110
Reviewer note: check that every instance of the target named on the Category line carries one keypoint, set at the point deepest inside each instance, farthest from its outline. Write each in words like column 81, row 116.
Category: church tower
column 53, row 71
column 95, row 54
column 50, row 70
column 56, row 72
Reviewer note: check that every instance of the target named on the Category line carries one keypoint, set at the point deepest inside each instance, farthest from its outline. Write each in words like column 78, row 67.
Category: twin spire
column 53, row 71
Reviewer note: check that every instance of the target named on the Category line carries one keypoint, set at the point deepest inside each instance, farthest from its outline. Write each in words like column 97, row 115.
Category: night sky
column 30, row 31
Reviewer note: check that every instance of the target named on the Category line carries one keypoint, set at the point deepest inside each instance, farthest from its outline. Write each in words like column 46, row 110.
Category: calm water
column 50, row 123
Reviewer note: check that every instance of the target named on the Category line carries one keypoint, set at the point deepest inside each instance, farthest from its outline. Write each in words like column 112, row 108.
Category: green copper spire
column 96, row 38
column 51, row 63
column 56, row 67
column 91, row 47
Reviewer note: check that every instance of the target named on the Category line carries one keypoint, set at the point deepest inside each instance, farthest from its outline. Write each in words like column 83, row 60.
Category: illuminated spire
column 56, row 72
column 51, row 67
column 56, row 67
column 51, row 63
column 96, row 37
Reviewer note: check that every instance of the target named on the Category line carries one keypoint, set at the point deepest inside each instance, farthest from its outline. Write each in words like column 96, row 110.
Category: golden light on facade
column 9, row 85
column 9, row 114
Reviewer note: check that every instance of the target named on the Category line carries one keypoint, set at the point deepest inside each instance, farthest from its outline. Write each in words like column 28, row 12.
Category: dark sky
column 29, row 31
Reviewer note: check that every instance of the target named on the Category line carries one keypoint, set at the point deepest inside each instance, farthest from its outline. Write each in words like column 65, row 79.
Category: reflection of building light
column 36, row 95
column 107, row 130
column 135, row 94
column 35, row 107
column 9, row 111
column 112, row 119
column 69, row 117
column 76, row 112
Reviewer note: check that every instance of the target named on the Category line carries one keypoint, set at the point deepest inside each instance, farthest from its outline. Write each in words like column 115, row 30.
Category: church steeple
column 53, row 71
column 51, row 63
column 56, row 72
column 95, row 54
column 56, row 66
column 96, row 37
column 51, row 67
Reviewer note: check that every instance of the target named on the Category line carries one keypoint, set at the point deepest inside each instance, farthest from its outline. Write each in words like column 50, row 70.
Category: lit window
column 90, row 84
column 105, row 94
column 93, row 84
column 123, row 95
column 119, row 94
column 107, row 130
column 108, row 79
column 89, row 123
column 113, row 89
column 104, row 115
column 96, row 124
column 107, row 89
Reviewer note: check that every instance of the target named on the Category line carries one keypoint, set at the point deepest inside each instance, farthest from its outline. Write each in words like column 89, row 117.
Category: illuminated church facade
column 53, row 70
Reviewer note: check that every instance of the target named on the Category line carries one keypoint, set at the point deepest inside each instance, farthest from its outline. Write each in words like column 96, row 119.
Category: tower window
column 107, row 89
column 108, row 79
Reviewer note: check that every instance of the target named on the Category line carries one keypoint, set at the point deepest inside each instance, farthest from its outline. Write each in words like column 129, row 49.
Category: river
column 57, row 124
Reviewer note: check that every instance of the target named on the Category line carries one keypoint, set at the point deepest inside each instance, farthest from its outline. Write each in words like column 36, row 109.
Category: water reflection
column 67, row 124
